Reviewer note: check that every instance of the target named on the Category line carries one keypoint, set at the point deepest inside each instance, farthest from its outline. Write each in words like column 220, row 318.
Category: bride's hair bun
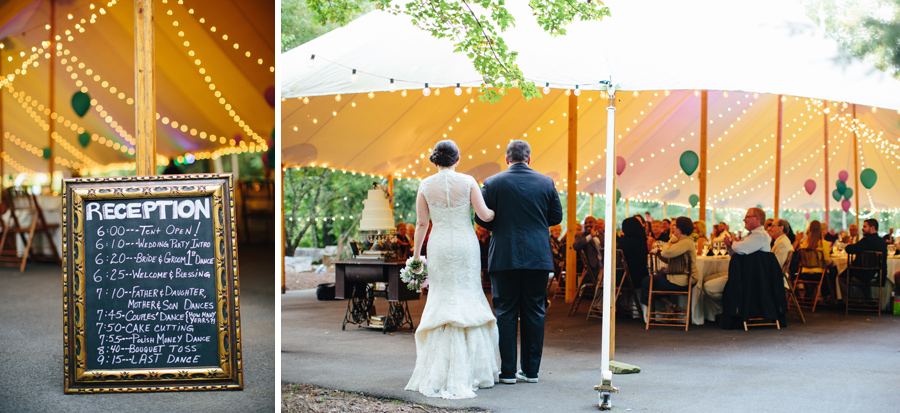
column 445, row 153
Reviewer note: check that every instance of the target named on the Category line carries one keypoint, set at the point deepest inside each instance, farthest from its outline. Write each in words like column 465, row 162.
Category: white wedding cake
column 377, row 214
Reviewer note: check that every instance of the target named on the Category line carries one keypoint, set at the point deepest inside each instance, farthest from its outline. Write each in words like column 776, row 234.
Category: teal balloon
column 841, row 186
column 84, row 139
column 618, row 195
column 836, row 195
column 689, row 161
column 81, row 102
column 848, row 193
column 868, row 177
column 693, row 199
column 46, row 153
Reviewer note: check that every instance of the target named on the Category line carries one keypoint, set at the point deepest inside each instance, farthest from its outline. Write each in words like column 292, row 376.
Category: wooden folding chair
column 26, row 219
column 785, row 271
column 810, row 258
column 866, row 262
column 671, row 318
column 596, row 309
column 584, row 287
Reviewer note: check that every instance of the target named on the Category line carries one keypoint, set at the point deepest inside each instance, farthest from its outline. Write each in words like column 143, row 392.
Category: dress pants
column 519, row 296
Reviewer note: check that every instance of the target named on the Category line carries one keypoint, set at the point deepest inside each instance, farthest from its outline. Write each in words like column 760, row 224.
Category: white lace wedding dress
column 456, row 342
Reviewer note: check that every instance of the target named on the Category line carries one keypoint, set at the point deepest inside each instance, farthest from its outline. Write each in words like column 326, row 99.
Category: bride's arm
column 481, row 209
column 422, row 217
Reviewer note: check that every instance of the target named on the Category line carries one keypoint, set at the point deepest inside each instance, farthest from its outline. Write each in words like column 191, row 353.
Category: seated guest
column 700, row 230
column 601, row 232
column 667, row 228
column 781, row 245
column 853, row 237
column 869, row 242
column 589, row 242
column 411, row 233
column 634, row 249
column 679, row 244
column 831, row 236
column 403, row 245
column 756, row 240
column 559, row 250
column 768, row 223
column 721, row 233
column 656, row 234
column 889, row 237
column 789, row 232
column 815, row 239
column 425, row 240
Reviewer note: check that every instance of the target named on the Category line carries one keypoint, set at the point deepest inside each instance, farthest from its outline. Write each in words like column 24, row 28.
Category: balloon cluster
column 842, row 191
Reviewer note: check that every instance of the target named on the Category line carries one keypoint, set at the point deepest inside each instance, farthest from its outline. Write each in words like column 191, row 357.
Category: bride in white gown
column 456, row 342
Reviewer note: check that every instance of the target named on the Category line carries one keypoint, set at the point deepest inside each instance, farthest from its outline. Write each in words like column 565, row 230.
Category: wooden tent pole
column 52, row 101
column 704, row 123
column 825, row 136
column 2, row 162
column 778, row 156
column 571, row 192
column 856, row 167
column 592, row 205
column 145, row 82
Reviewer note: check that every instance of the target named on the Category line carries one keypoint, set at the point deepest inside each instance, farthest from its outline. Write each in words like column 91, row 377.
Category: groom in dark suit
column 526, row 205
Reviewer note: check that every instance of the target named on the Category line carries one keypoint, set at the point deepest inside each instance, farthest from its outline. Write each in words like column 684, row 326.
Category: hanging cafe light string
column 17, row 166
column 218, row 94
column 213, row 29
column 36, row 151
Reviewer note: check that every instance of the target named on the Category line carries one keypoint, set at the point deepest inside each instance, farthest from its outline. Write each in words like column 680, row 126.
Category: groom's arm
column 554, row 215
column 489, row 201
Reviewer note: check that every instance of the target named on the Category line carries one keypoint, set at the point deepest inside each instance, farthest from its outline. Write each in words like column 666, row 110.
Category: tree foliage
column 474, row 26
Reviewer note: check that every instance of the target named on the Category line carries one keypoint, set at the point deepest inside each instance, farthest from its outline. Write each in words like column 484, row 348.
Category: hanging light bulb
column 426, row 91
column 353, row 77
column 457, row 91
column 312, row 61
column 577, row 91
column 392, row 87
column 547, row 89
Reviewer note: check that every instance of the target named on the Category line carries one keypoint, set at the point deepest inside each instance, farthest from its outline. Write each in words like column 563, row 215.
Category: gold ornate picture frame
column 151, row 288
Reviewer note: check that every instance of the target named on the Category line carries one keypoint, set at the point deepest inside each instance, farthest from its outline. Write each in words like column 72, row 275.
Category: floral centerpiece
column 415, row 274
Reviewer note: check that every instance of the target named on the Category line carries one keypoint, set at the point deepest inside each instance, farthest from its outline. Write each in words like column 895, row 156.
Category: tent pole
column 281, row 254
column 145, row 81
column 778, row 155
column 391, row 192
column 825, row 136
column 665, row 204
column 704, row 123
column 2, row 162
column 627, row 214
column 592, row 205
column 856, row 168
column 571, row 194
column 607, row 347
column 52, row 101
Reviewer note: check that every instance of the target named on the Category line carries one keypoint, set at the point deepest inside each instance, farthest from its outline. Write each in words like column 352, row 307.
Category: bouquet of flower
column 415, row 274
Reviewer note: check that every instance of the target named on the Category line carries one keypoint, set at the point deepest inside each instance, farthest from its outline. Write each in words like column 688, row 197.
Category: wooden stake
column 571, row 192
column 704, row 123
column 778, row 157
column 827, row 192
column 52, row 101
column 145, row 81
column 856, row 168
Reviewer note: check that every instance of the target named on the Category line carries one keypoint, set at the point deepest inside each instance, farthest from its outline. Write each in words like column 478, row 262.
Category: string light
column 426, row 91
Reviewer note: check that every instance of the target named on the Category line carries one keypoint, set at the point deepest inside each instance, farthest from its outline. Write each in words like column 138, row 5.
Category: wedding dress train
column 456, row 342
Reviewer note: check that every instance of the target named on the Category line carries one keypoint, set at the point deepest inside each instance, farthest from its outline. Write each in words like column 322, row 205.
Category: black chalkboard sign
column 151, row 284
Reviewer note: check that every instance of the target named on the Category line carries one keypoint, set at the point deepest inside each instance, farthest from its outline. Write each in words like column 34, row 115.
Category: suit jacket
column 526, row 205
column 590, row 249
column 755, row 288
column 871, row 242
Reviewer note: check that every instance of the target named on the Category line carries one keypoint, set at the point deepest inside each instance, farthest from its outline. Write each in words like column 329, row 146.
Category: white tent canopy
column 661, row 53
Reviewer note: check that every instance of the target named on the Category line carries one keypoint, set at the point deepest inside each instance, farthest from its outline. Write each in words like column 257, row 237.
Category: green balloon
column 868, row 177
column 84, row 139
column 836, row 195
column 693, row 199
column 848, row 193
column 689, row 161
column 618, row 195
column 81, row 102
column 841, row 186
column 46, row 153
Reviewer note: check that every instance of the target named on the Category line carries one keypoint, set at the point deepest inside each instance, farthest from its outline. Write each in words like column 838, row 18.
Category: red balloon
column 843, row 175
column 270, row 96
column 810, row 186
column 845, row 204
column 620, row 165
column 237, row 138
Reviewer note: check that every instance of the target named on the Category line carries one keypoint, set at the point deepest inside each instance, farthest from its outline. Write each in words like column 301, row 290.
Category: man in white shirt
column 853, row 238
column 756, row 240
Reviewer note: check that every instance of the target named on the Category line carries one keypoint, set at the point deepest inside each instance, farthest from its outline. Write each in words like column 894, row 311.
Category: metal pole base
column 606, row 389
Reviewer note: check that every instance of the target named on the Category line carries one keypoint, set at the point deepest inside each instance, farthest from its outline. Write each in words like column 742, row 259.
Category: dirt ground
column 307, row 280
column 308, row 398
